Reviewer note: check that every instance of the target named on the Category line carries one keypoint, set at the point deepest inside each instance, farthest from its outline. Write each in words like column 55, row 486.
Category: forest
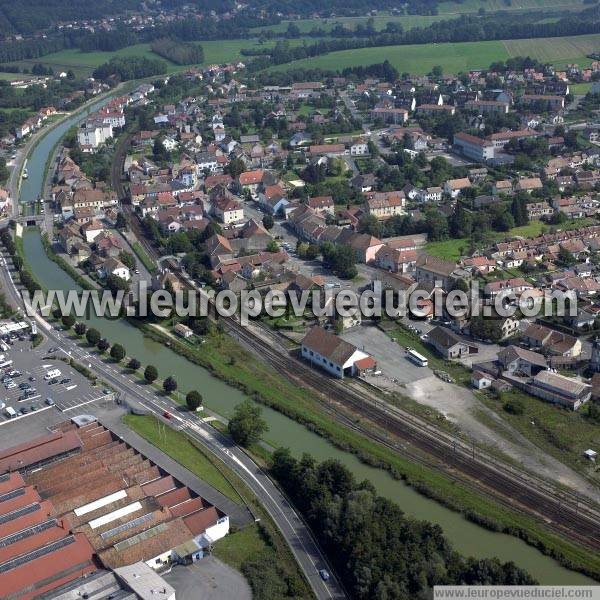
column 178, row 52
column 376, row 549
column 131, row 67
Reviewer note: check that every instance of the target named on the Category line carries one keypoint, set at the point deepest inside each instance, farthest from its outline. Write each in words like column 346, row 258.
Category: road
column 295, row 531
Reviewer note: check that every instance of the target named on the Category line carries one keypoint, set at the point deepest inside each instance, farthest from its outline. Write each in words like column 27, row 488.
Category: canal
column 468, row 538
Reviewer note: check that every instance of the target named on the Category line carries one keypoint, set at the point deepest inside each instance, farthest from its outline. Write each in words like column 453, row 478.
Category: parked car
column 66, row 380
column 49, row 402
column 324, row 573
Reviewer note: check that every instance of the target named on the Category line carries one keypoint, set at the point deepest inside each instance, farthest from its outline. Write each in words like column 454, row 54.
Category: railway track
column 512, row 489
column 562, row 511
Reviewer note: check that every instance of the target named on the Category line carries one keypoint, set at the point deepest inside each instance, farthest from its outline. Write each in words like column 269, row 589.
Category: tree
column 134, row 364
column 169, row 385
column 103, row 345
column 121, row 222
column 193, row 400
column 246, row 426
column 268, row 222
column 236, row 167
column 150, row 374
column 272, row 246
column 68, row 321
column 92, row 336
column 80, row 328
column 117, row 352
column 127, row 259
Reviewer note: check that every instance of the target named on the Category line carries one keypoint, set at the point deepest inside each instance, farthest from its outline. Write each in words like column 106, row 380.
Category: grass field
column 180, row 449
column 83, row 63
column 419, row 59
column 446, row 10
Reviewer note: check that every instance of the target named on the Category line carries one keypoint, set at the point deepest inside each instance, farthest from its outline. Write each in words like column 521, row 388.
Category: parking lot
column 390, row 356
column 37, row 380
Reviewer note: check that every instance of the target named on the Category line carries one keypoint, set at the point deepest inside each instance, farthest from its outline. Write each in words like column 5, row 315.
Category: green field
column 83, row 63
column 419, row 59
column 446, row 10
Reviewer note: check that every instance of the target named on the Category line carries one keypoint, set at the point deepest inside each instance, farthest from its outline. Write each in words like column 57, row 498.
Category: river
column 468, row 538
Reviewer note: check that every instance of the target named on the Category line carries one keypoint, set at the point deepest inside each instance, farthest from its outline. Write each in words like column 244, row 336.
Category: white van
column 52, row 374
column 10, row 412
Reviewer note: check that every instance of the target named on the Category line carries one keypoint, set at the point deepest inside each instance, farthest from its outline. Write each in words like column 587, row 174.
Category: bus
column 417, row 358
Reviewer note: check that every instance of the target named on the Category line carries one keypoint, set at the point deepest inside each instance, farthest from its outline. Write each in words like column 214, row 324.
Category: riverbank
column 229, row 362
column 468, row 538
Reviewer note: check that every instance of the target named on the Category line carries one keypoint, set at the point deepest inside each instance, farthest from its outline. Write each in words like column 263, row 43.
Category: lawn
column 450, row 249
column 179, row 447
column 144, row 258
column 464, row 56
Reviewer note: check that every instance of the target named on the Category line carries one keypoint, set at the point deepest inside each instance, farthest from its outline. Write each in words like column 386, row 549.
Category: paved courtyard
column 390, row 356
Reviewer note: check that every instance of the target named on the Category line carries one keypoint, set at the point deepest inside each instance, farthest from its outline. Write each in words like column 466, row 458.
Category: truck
column 10, row 412
column 52, row 374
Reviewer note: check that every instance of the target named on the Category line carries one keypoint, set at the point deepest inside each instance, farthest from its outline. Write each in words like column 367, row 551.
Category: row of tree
column 180, row 53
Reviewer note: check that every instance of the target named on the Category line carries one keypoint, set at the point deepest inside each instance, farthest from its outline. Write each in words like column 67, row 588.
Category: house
column 431, row 270
column 183, row 330
column 431, row 194
column 396, row 260
column 453, row 187
column 539, row 210
column 481, row 380
column 359, row 148
column 273, row 199
column 384, row 205
column 93, row 133
column 91, row 230
column 558, row 389
column 449, row 345
column 333, row 354
column 328, row 150
column 227, row 210
column 547, row 102
column 322, row 204
column 251, row 180
column 483, row 107
column 506, row 287
column 555, row 342
column 504, row 186
column 365, row 246
column 529, row 184
column 519, row 360
column 113, row 266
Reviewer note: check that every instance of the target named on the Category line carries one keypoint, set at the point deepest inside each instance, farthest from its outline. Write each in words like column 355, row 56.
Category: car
column 34, row 407
column 10, row 386
column 49, row 401
column 167, row 414
column 15, row 373
column 66, row 380
column 137, row 271
column 31, row 378
column 53, row 381
column 23, row 386
column 324, row 573
column 23, row 410
column 53, row 349
column 106, row 391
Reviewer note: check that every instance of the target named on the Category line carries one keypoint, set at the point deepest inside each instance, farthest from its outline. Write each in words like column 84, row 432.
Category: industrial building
column 79, row 500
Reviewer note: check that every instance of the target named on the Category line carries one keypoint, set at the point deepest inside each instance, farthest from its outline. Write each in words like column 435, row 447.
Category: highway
column 295, row 531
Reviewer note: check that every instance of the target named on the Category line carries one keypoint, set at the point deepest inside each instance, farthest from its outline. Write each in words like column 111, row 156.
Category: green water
column 467, row 537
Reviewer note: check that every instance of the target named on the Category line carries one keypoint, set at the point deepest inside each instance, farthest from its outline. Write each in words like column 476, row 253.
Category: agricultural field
column 558, row 51
column 446, row 10
column 83, row 63
column 419, row 59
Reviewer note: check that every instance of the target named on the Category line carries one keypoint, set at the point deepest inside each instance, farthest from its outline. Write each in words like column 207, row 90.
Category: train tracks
column 563, row 512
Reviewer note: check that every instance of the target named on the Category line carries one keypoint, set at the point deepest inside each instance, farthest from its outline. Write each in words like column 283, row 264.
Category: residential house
column 384, row 205
column 515, row 360
column 449, row 345
column 431, row 270
column 453, row 187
